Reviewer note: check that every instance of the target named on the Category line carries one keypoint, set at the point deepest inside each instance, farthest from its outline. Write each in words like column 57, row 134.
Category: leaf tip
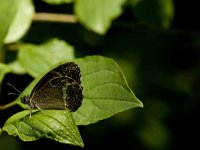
column 139, row 103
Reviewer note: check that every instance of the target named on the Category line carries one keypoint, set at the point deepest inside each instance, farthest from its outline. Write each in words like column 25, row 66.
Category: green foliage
column 3, row 70
column 21, row 21
column 93, row 14
column 105, row 88
column 45, row 56
column 54, row 124
column 6, row 17
column 96, row 14
column 97, row 74
column 105, row 91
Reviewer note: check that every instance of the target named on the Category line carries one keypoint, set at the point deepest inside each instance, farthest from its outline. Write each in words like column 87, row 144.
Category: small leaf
column 16, row 67
column 13, row 67
column 54, row 124
column 22, row 21
column 57, row 2
column 7, row 12
column 97, row 15
column 37, row 59
column 3, row 70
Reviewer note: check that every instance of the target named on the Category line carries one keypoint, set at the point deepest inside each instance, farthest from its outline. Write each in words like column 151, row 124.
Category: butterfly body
column 60, row 88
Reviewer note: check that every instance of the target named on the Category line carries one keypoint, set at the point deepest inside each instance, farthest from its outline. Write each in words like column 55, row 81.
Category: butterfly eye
column 69, row 74
column 55, row 83
column 70, row 99
column 70, row 91
column 71, row 108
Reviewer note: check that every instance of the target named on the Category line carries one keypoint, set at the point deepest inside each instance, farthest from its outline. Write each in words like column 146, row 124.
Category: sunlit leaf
column 7, row 12
column 97, row 15
column 106, row 91
column 37, row 59
column 21, row 22
column 3, row 70
column 53, row 124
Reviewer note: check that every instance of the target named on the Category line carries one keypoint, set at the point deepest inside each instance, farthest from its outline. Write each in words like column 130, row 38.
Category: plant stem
column 55, row 17
column 6, row 106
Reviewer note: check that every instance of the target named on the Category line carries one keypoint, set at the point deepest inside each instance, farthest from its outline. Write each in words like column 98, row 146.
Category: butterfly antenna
column 13, row 88
column 11, row 93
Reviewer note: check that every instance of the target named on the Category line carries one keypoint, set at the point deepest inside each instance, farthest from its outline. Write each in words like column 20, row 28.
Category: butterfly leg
column 30, row 111
column 40, row 109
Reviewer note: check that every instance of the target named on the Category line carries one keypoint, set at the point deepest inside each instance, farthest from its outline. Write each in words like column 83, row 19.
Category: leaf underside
column 53, row 124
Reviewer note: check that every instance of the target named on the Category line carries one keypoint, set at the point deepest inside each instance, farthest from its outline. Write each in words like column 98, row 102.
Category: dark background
column 162, row 67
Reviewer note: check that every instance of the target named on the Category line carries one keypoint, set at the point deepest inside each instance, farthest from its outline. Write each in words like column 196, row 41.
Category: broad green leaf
column 155, row 11
column 21, row 22
column 97, row 15
column 37, row 59
column 53, row 124
column 57, row 2
column 3, row 70
column 7, row 12
column 105, row 90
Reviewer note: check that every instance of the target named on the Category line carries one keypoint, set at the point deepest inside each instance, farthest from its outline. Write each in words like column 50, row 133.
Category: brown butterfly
column 60, row 88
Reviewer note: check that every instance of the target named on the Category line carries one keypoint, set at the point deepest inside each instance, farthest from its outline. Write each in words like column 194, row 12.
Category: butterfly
column 60, row 88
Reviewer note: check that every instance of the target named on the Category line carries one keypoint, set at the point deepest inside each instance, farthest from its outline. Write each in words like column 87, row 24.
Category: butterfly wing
column 69, row 69
column 58, row 89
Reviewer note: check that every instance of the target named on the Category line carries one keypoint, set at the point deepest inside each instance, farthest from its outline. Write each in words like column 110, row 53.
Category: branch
column 6, row 106
column 55, row 17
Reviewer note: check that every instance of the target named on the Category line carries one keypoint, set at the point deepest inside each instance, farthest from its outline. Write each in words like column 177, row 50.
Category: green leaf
column 57, row 2
column 37, row 59
column 7, row 12
column 53, row 124
column 13, row 67
column 105, row 90
column 21, row 22
column 97, row 15
column 3, row 70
